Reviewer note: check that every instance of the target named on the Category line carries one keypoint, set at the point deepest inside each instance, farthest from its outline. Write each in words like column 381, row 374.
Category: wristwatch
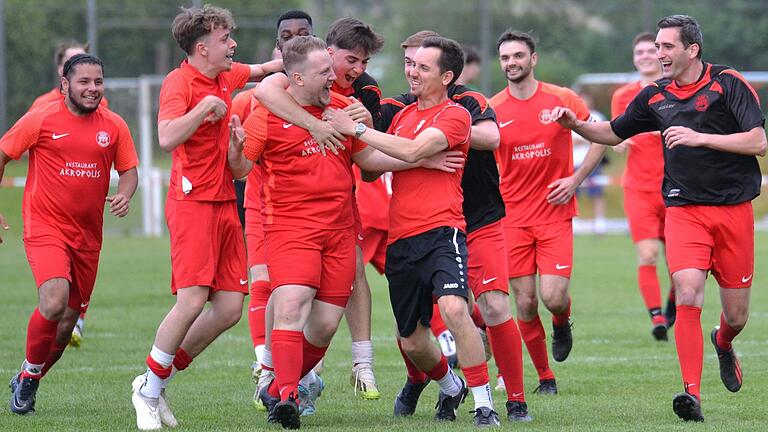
column 359, row 129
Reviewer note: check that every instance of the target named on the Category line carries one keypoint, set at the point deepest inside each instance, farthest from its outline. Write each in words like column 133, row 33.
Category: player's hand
column 215, row 107
column 448, row 161
column 236, row 134
column 340, row 120
column 565, row 117
column 680, row 135
column 3, row 225
column 327, row 137
column 562, row 191
column 118, row 204
column 358, row 112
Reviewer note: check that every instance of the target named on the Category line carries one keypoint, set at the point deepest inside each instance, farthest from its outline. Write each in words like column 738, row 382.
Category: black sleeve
column 638, row 117
column 390, row 107
column 368, row 92
column 742, row 101
column 474, row 102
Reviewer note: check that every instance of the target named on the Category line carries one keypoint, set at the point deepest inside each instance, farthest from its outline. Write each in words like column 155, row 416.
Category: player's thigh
column 411, row 299
column 294, row 257
column 338, row 267
column 487, row 267
column 645, row 214
column 85, row 266
column 734, row 245
column 322, row 322
column 689, row 243
column 521, row 251
column 554, row 248
column 231, row 269
column 193, row 234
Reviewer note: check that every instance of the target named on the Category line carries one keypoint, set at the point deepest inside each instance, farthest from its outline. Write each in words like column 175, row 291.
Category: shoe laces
column 364, row 377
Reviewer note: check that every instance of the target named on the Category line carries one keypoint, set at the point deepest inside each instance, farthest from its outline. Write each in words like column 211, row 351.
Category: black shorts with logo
column 421, row 269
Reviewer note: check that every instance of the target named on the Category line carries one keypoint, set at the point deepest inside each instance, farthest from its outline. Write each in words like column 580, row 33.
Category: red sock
column 476, row 375
column 508, row 352
column 440, row 369
column 287, row 358
column 561, row 319
column 53, row 356
column 312, row 355
column 181, row 360
column 158, row 369
column 690, row 347
column 41, row 333
column 415, row 375
column 436, row 324
column 257, row 309
column 536, row 342
column 82, row 315
column 726, row 334
column 649, row 286
column 477, row 317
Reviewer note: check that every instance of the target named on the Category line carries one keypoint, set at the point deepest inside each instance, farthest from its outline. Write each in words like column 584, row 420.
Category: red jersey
column 534, row 152
column 423, row 199
column 645, row 161
column 242, row 105
column 199, row 170
column 373, row 200
column 70, row 158
column 55, row 95
column 301, row 188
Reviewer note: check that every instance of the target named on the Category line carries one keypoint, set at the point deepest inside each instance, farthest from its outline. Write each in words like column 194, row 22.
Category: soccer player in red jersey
column 712, row 130
column 643, row 204
column 427, row 251
column 72, row 146
column 200, row 209
column 534, row 154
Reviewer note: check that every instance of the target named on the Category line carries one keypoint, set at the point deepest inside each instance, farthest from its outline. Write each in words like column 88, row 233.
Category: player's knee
column 686, row 295
column 52, row 309
column 454, row 310
column 646, row 256
column 494, row 311
column 190, row 306
column 413, row 347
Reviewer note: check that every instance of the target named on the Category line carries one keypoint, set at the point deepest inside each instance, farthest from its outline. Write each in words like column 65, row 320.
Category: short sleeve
column 126, row 157
column 174, row 97
column 455, row 123
column 23, row 135
column 638, row 117
column 238, row 76
column 742, row 101
column 357, row 145
column 617, row 107
column 577, row 105
column 474, row 102
column 255, row 133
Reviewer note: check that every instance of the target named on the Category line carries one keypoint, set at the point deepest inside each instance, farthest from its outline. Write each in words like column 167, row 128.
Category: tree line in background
column 575, row 37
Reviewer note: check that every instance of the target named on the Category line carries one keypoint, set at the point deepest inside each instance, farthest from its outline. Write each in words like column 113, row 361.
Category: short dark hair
column 451, row 55
column 294, row 14
column 193, row 23
column 353, row 34
column 417, row 38
column 69, row 66
column 643, row 37
column 471, row 55
column 519, row 36
column 296, row 50
column 690, row 32
column 63, row 46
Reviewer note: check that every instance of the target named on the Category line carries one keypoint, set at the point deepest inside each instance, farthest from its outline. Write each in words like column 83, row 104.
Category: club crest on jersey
column 545, row 116
column 701, row 103
column 102, row 139
column 418, row 126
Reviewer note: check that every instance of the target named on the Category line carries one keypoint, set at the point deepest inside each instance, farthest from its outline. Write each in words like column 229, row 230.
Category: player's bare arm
column 272, row 94
column 596, row 132
column 4, row 159
column 119, row 203
column 564, row 188
column 172, row 133
column 239, row 165
column 751, row 143
column 374, row 163
column 485, row 135
column 259, row 71
column 359, row 113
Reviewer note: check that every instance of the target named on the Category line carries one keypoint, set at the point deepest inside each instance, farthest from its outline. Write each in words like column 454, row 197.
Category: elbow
column 165, row 143
column 369, row 176
column 494, row 142
column 762, row 147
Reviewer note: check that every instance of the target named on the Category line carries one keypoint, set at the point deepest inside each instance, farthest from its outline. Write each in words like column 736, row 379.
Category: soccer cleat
column 500, row 386
column 408, row 398
column 518, row 412
column 269, row 403
column 362, row 378
column 730, row 368
column 546, row 387
column 77, row 335
column 687, row 407
column 670, row 313
column 24, row 391
column 659, row 332
column 562, row 341
column 147, row 416
column 264, row 379
column 287, row 413
column 163, row 409
column 308, row 395
column 486, row 417
column 447, row 405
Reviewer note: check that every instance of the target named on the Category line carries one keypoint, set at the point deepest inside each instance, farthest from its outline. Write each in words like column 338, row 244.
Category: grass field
column 616, row 378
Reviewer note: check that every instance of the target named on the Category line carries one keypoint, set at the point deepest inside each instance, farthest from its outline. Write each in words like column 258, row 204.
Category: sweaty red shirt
column 301, row 188
column 423, row 199
column 70, row 158
column 645, row 160
column 534, row 152
column 199, row 169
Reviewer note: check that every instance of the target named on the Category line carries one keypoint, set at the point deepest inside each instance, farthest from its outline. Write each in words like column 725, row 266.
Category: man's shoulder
column 564, row 93
column 499, row 98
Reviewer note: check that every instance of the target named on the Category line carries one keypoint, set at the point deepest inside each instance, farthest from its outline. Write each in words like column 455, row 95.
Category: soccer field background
column 616, row 378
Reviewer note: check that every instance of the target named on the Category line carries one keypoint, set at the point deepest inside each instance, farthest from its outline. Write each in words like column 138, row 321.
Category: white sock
column 450, row 384
column 35, row 370
column 266, row 358
column 81, row 323
column 259, row 350
column 308, row 379
column 482, row 396
column 174, row 371
column 154, row 385
column 362, row 352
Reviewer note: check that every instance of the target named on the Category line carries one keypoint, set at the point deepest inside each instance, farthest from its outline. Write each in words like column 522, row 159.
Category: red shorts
column 645, row 213
column 375, row 248
column 50, row 258
column 321, row 259
column 207, row 247
column 254, row 237
column 487, row 260
column 547, row 248
column 716, row 238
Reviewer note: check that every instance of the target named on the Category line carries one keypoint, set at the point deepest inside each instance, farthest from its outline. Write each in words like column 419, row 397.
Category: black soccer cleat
column 730, row 368
column 546, row 387
column 23, row 396
column 687, row 407
column 287, row 413
column 486, row 417
column 562, row 341
column 670, row 313
column 447, row 405
column 659, row 332
column 408, row 398
column 269, row 403
column 518, row 411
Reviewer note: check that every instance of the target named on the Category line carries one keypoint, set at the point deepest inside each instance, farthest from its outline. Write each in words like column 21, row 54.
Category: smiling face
column 315, row 78
column 218, row 47
column 516, row 60
column 674, row 57
column 84, row 88
column 644, row 58
column 425, row 78
column 290, row 28
column 348, row 65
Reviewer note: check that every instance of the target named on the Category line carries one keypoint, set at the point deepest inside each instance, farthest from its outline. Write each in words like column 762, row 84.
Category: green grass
column 617, row 378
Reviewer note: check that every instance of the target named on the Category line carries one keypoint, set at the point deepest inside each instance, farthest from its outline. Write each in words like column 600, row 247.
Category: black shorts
column 421, row 269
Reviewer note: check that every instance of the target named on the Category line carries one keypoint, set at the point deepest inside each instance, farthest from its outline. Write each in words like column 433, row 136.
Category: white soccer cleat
column 163, row 409
column 362, row 378
column 500, row 386
column 147, row 418
column 264, row 379
column 77, row 335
